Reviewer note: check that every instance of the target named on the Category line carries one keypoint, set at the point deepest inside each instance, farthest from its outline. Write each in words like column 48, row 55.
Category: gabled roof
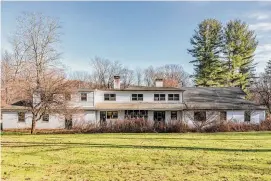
column 145, row 88
column 226, row 98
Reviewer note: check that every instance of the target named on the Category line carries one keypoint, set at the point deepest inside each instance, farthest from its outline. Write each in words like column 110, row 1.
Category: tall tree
column 207, row 45
column 239, row 48
column 268, row 68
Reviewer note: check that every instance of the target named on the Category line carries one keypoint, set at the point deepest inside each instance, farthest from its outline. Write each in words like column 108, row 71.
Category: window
column 223, row 116
column 200, row 116
column 109, row 97
column 159, row 116
column 102, row 116
column 21, row 117
column 173, row 115
column 137, row 97
column 159, row 97
column 130, row 114
column 68, row 121
column 83, row 96
column 173, row 97
column 247, row 116
column 112, row 114
column 45, row 117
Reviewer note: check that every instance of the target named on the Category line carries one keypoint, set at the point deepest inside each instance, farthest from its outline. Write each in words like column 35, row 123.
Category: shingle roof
column 139, row 106
column 13, row 107
column 145, row 88
column 226, row 98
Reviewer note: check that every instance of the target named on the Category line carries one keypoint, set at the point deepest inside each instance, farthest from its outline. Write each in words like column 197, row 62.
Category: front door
column 159, row 116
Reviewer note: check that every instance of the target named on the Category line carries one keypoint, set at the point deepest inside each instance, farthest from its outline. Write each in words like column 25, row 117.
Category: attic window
column 21, row 116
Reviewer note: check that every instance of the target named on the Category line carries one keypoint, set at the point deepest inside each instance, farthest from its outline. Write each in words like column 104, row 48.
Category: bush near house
column 144, row 126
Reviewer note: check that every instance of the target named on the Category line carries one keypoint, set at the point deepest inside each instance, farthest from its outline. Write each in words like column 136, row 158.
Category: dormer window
column 109, row 97
column 137, row 97
column 159, row 97
column 83, row 96
column 173, row 97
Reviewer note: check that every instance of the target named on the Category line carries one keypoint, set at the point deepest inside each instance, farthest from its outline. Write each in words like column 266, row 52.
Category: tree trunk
column 33, row 126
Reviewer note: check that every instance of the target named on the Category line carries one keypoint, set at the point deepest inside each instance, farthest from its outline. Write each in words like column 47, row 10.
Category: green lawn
column 219, row 156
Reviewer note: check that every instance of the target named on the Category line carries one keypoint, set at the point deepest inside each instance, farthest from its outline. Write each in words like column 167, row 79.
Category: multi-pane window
column 112, row 114
column 21, row 117
column 173, row 97
column 84, row 96
column 45, row 117
column 109, row 97
column 173, row 115
column 200, row 116
column 159, row 97
column 137, row 97
column 129, row 114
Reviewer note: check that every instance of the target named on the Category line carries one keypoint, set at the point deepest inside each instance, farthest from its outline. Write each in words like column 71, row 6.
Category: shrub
column 265, row 125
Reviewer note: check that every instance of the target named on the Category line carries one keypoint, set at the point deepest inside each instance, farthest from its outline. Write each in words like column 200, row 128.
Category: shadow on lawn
column 90, row 145
column 196, row 139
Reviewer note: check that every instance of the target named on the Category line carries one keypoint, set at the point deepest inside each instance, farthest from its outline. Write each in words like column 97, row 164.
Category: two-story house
column 157, row 103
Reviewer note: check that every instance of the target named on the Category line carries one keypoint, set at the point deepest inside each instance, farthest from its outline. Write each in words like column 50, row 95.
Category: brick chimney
column 116, row 82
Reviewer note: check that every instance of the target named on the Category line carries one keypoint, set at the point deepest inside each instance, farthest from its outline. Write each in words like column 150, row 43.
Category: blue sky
column 138, row 34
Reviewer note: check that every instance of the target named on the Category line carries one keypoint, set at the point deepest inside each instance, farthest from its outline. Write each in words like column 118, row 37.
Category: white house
column 157, row 103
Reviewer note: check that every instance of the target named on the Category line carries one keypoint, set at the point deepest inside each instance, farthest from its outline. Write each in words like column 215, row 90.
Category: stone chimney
column 159, row 83
column 116, row 82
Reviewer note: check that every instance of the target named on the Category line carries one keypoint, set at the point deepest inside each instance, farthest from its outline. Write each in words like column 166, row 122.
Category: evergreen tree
column 239, row 48
column 268, row 68
column 207, row 45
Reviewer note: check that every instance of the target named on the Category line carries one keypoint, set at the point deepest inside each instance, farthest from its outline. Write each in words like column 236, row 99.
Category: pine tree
column 268, row 68
column 207, row 45
column 240, row 45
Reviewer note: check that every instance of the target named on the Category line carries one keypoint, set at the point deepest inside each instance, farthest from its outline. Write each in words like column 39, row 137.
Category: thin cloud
column 263, row 26
column 262, row 55
column 260, row 15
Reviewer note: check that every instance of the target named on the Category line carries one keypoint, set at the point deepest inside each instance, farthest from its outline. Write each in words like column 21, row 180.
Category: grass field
column 219, row 156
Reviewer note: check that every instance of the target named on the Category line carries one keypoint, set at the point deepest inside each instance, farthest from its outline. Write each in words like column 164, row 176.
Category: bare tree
column 261, row 90
column 127, row 77
column 138, row 76
column 41, row 82
column 204, row 119
column 150, row 76
column 104, row 70
column 175, row 73
column 172, row 74
column 81, row 79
